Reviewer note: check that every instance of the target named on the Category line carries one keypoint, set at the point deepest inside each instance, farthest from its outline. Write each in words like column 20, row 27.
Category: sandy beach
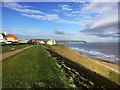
column 110, row 65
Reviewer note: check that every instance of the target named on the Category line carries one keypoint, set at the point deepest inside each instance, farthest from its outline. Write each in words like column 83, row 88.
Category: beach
column 111, row 65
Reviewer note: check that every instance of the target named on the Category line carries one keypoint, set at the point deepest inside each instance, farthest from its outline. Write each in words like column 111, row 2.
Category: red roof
column 11, row 35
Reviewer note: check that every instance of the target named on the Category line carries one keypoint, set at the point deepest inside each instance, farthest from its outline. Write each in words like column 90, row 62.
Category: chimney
column 5, row 32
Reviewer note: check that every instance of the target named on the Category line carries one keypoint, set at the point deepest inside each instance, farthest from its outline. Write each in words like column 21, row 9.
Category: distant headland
column 70, row 41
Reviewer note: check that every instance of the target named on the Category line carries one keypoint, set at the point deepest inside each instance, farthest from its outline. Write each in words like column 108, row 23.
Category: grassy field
column 85, row 61
column 32, row 68
column 8, row 48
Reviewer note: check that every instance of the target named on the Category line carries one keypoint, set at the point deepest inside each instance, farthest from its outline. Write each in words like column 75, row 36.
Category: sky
column 89, row 21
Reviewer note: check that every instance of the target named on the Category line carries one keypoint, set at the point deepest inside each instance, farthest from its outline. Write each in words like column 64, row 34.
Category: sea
column 102, row 51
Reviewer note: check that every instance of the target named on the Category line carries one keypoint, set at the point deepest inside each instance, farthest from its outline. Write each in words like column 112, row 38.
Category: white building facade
column 3, row 37
column 51, row 42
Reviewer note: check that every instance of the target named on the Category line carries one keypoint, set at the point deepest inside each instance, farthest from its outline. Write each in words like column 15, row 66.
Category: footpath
column 8, row 54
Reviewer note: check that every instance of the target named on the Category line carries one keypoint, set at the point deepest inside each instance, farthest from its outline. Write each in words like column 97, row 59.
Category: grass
column 86, row 61
column 32, row 68
column 8, row 48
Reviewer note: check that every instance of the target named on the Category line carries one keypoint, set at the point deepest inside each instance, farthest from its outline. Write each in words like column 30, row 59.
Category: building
column 51, row 42
column 33, row 41
column 3, row 37
column 23, row 41
column 12, row 38
column 42, row 42
column 38, row 41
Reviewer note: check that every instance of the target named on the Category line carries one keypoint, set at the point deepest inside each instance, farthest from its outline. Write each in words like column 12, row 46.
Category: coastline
column 111, row 65
column 108, row 56
column 92, row 69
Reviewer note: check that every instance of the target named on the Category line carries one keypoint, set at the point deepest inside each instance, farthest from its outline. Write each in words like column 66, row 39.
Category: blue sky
column 89, row 21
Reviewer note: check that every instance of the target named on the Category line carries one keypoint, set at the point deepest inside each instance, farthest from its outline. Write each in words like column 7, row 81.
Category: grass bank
column 85, row 61
column 8, row 48
column 32, row 68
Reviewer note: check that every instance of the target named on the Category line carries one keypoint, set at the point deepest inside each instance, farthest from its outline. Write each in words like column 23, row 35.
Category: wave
column 98, row 55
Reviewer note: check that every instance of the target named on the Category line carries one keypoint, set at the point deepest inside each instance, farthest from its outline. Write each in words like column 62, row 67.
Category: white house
column 42, row 42
column 3, row 37
column 51, row 42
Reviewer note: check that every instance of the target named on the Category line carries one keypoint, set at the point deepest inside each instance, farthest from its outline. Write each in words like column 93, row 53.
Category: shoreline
column 111, row 65
column 99, row 59
column 104, row 60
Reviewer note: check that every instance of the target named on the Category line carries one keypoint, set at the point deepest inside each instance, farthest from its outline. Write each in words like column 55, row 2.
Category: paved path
column 8, row 54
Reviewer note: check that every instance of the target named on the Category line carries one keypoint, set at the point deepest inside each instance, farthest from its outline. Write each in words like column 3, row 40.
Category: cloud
column 75, row 11
column 35, row 16
column 65, row 7
column 28, row 11
column 48, row 17
column 26, row 34
column 106, row 28
column 105, row 23
column 69, row 14
column 20, row 8
column 38, row 14
column 39, row 34
column 13, row 5
column 54, row 18
column 55, row 10
column 100, row 8
column 58, row 32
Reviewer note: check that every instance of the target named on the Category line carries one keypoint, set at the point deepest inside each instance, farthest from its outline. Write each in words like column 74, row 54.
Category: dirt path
column 8, row 54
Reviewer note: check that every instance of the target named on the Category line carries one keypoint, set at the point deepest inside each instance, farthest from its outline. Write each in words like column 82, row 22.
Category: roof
column 11, row 35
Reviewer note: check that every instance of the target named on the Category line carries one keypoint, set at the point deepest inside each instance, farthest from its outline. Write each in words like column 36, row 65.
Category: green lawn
column 8, row 48
column 32, row 68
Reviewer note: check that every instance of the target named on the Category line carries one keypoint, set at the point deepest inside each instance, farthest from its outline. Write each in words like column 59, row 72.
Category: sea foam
column 98, row 55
